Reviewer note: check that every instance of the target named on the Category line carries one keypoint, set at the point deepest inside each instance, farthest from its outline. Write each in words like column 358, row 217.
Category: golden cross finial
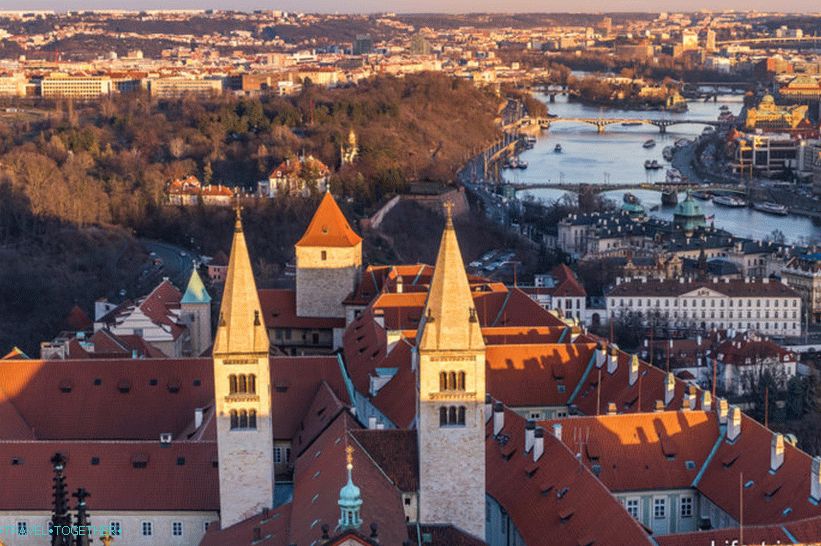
column 349, row 456
column 448, row 212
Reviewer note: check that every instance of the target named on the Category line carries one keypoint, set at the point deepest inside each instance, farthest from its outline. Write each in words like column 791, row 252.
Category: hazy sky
column 459, row 6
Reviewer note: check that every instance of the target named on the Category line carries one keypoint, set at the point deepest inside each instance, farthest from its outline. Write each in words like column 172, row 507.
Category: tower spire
column 241, row 329
column 350, row 500
column 450, row 321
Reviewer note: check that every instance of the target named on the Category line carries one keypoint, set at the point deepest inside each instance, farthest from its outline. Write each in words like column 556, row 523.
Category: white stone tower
column 451, row 382
column 328, row 260
column 349, row 150
column 195, row 308
column 242, row 394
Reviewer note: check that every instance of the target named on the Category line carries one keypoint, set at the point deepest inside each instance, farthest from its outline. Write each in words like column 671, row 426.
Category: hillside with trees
column 84, row 180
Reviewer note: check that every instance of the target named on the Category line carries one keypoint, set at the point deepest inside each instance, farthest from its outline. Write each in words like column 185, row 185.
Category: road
column 176, row 266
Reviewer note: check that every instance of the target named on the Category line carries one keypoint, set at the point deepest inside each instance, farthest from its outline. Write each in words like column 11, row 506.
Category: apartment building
column 59, row 85
column 763, row 306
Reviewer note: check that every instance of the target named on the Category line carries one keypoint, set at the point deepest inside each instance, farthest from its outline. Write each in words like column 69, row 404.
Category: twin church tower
column 449, row 361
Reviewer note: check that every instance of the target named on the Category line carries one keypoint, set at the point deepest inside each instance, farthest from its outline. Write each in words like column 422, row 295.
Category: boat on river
column 649, row 143
column 771, row 208
column 702, row 195
column 729, row 201
column 652, row 165
column 557, row 148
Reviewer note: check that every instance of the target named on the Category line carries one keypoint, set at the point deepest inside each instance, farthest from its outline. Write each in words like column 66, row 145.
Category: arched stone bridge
column 599, row 188
column 602, row 123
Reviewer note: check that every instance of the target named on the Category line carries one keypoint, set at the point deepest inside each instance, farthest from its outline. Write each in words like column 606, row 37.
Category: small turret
column 350, row 500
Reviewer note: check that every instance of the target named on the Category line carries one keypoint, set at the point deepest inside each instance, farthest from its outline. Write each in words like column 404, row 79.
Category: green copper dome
column 196, row 292
column 688, row 215
column 350, row 499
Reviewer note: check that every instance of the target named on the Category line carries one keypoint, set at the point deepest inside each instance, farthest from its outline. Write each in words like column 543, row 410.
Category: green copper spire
column 196, row 292
column 350, row 500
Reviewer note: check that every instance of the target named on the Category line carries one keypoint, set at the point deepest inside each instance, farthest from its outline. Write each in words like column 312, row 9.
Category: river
column 617, row 157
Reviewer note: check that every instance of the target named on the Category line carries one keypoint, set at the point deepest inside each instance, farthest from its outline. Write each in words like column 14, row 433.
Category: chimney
column 371, row 423
column 530, row 435
column 538, row 444
column 379, row 317
column 669, row 388
column 634, row 370
column 488, row 407
column 498, row 418
column 723, row 410
column 600, row 354
column 815, row 479
column 611, row 408
column 706, row 401
column 734, row 424
column 400, row 284
column 557, row 431
column 380, row 426
column 613, row 360
column 776, row 451
column 197, row 418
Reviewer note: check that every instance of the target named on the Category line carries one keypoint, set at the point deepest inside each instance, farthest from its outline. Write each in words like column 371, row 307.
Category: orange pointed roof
column 329, row 227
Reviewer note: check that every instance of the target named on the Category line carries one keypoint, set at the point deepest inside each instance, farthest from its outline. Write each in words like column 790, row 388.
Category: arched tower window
column 243, row 419
column 461, row 383
column 452, row 415
column 252, row 419
column 443, row 381
column 443, row 416
column 243, row 385
column 252, row 384
column 452, row 381
column 232, row 384
column 234, row 419
column 460, row 417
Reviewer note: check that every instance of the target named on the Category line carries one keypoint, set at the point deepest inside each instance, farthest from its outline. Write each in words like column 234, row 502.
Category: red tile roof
column 771, row 498
column 642, row 451
column 279, row 311
column 323, row 410
column 329, row 227
column 273, row 526
column 616, row 388
column 77, row 319
column 395, row 452
column 557, row 501
column 114, row 482
column 119, row 394
column 566, row 282
column 733, row 288
column 504, row 335
column 442, row 535
column 319, row 475
column 294, row 383
column 535, row 375
column 160, row 395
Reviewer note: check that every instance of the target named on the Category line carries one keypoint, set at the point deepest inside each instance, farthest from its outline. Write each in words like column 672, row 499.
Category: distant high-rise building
column 710, row 42
column 606, row 26
column 363, row 45
column 419, row 46
column 689, row 40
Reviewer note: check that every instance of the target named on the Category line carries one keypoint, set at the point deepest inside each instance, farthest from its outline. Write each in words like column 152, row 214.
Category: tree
column 207, row 173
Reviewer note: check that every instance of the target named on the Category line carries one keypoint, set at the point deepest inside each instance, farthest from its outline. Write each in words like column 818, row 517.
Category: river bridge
column 600, row 188
column 602, row 123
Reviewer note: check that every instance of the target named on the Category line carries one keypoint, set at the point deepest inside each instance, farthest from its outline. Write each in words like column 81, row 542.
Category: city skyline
column 430, row 6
